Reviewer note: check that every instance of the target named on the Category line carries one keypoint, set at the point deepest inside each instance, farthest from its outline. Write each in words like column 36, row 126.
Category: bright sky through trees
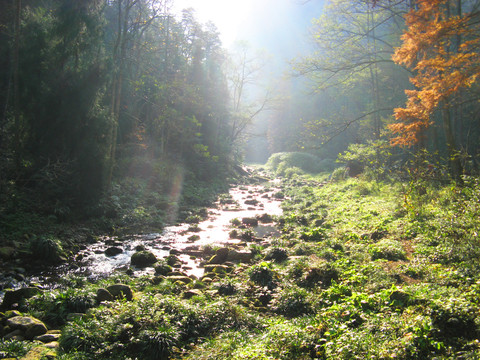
column 227, row 15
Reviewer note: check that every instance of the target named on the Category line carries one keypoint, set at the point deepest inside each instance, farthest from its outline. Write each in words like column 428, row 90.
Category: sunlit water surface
column 214, row 231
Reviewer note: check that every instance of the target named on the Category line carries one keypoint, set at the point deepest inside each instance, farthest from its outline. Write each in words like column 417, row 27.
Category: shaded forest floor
column 362, row 269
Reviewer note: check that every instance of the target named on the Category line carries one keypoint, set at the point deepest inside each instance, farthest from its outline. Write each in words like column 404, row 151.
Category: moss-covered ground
column 363, row 269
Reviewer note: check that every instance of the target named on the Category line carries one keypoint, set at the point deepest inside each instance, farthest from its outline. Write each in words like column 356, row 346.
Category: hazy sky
column 228, row 15
column 263, row 23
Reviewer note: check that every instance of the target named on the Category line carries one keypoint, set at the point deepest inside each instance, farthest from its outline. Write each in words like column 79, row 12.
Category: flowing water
column 183, row 240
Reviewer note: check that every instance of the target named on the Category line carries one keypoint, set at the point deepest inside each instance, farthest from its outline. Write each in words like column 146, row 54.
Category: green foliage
column 158, row 344
column 14, row 348
column 292, row 301
column 54, row 306
column 293, row 163
column 263, row 274
column 374, row 156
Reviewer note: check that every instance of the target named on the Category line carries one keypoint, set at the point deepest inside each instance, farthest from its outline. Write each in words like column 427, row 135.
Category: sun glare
column 227, row 15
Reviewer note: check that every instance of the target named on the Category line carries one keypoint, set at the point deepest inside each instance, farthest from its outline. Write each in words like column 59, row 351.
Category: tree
column 441, row 47
column 249, row 97
column 354, row 42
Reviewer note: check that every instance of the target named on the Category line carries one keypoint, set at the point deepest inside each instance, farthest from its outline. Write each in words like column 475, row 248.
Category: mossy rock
column 18, row 296
column 29, row 325
column 47, row 250
column 120, row 291
column 143, row 258
column 162, row 269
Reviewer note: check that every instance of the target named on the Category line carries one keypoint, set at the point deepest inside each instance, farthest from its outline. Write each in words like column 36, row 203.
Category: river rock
column 183, row 279
column 75, row 316
column 251, row 202
column 119, row 291
column 265, row 218
column 52, row 345
column 104, row 295
column 48, row 337
column 139, row 248
column 172, row 260
column 220, row 256
column 249, row 221
column 242, row 256
column 218, row 269
column 16, row 296
column 143, row 258
column 191, row 293
column 113, row 251
column 29, row 325
column 162, row 269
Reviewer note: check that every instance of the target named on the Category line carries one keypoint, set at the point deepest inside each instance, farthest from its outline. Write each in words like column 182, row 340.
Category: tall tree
column 441, row 46
column 354, row 42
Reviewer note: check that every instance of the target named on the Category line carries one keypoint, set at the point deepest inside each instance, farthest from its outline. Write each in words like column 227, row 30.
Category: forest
column 167, row 196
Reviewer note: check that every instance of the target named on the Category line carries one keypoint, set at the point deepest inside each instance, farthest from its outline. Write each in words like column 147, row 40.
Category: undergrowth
column 361, row 270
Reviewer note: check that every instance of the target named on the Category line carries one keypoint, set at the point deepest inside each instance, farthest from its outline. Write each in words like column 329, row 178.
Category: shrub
column 292, row 302
column 262, row 274
column 277, row 255
column 298, row 162
column 158, row 344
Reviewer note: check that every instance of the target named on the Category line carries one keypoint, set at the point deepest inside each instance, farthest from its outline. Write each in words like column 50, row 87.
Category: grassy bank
column 362, row 270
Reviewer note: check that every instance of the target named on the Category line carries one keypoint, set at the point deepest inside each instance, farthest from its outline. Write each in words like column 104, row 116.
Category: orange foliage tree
column 440, row 45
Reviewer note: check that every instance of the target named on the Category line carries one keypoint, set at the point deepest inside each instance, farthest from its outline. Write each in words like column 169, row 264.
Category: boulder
column 265, row 218
column 217, row 269
column 162, row 269
column 17, row 296
column 48, row 337
column 220, row 256
column 53, row 345
column 104, row 295
column 172, row 260
column 113, row 251
column 249, row 221
column 191, row 293
column 183, row 279
column 15, row 334
column 242, row 256
column 120, row 291
column 143, row 258
column 29, row 325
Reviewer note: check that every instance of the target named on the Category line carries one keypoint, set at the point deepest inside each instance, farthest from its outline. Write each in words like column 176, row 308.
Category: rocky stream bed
column 200, row 248
column 187, row 248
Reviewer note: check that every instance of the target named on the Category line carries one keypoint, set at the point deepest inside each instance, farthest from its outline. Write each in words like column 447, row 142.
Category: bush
column 158, row 344
column 262, row 274
column 292, row 302
column 295, row 162
column 374, row 156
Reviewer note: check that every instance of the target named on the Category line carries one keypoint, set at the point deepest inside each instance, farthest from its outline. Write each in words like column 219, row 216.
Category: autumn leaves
column 440, row 46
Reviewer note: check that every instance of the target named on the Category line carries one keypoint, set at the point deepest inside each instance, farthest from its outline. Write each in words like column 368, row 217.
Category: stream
column 187, row 241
